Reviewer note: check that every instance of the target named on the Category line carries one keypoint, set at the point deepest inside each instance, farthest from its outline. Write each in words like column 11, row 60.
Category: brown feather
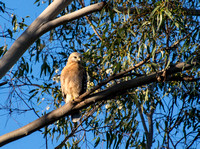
column 73, row 78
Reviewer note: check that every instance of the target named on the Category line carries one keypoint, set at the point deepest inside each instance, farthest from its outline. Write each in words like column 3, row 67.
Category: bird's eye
column 75, row 57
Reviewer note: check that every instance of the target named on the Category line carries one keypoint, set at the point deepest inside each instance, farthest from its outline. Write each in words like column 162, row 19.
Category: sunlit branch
column 115, row 76
column 44, row 23
column 70, row 17
column 113, row 91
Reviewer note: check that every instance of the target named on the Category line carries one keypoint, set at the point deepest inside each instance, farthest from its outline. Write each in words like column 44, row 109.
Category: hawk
column 73, row 80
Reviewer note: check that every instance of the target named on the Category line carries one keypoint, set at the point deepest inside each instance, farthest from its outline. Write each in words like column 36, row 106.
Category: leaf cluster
column 129, row 31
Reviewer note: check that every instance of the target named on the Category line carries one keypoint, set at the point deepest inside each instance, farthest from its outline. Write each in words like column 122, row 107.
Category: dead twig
column 87, row 18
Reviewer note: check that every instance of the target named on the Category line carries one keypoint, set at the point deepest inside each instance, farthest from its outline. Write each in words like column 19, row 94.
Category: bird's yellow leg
column 73, row 100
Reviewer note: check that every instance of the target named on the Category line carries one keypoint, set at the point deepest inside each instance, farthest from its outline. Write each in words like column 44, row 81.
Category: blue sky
column 21, row 8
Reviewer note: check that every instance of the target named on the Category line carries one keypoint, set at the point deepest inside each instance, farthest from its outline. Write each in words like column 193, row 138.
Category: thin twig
column 114, row 76
column 87, row 18
column 196, row 137
column 178, row 41
column 74, row 129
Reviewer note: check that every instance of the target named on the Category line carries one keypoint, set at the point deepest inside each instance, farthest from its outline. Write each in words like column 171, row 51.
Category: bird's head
column 75, row 57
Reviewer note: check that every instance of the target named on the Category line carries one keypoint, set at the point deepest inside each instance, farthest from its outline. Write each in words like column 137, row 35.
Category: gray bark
column 44, row 23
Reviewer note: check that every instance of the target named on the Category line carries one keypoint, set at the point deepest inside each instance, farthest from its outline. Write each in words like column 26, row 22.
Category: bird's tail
column 76, row 117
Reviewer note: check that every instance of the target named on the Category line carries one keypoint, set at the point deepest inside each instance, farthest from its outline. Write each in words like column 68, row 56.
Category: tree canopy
column 142, row 59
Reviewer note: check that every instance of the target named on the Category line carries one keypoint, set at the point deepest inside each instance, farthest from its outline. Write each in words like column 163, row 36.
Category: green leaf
column 132, row 32
column 117, row 10
column 153, row 53
column 97, row 142
column 153, row 12
column 160, row 21
column 146, row 95
column 169, row 14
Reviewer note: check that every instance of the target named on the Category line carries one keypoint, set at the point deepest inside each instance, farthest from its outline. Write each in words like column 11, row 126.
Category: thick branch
column 35, row 125
column 143, row 121
column 115, row 76
column 28, row 37
column 70, row 17
column 41, row 25
column 133, row 10
column 106, row 94
column 183, row 78
column 191, row 11
column 150, row 122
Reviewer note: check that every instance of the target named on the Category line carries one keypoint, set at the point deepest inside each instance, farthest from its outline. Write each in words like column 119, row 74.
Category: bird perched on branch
column 73, row 80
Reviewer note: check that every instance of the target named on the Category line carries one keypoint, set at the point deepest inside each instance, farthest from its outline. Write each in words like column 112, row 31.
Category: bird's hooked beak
column 79, row 60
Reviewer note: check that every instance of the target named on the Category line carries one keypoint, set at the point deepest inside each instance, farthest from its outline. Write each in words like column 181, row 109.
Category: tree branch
column 106, row 94
column 74, row 129
column 87, row 18
column 191, row 11
column 3, row 83
column 150, row 122
column 183, row 78
column 143, row 121
column 133, row 10
column 195, row 138
column 41, row 25
column 114, row 76
column 70, row 17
